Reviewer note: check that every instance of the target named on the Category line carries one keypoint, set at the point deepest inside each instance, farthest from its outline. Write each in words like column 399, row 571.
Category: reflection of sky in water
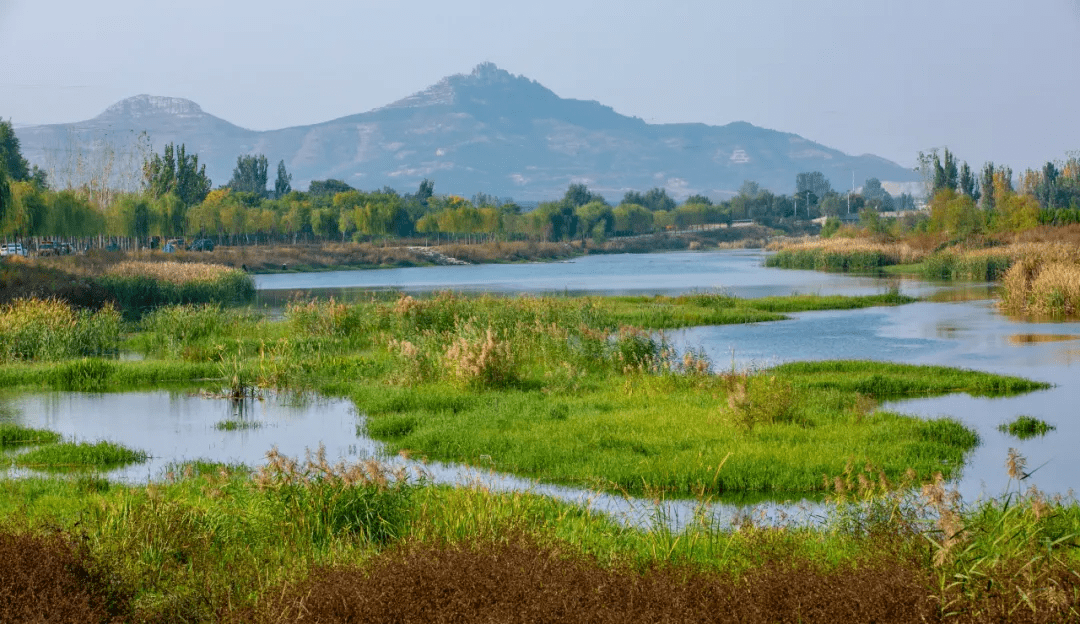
column 178, row 426
column 737, row 272
column 968, row 334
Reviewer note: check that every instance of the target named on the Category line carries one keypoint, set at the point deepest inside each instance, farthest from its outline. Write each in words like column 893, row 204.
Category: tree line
column 179, row 200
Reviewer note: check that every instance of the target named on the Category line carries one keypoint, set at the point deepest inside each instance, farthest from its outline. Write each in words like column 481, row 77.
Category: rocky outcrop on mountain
column 487, row 131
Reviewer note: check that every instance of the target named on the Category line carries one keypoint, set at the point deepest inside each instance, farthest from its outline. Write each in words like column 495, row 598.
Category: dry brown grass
column 897, row 253
column 50, row 579
column 173, row 272
column 1042, row 287
column 522, row 582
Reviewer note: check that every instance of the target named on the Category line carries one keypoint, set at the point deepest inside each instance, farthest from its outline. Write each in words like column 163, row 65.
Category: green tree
column 426, row 190
column 968, row 184
column 655, row 199
column 595, row 217
column 5, row 191
column 632, row 219
column 250, row 175
column 946, row 175
column 986, row 183
column 813, row 182
column 578, row 195
column 320, row 188
column 16, row 167
column 171, row 214
column 175, row 171
column 283, row 183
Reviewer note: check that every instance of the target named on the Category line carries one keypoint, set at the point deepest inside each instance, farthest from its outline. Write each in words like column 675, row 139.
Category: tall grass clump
column 50, row 330
column 366, row 500
column 12, row 435
column 142, row 286
column 75, row 455
column 979, row 265
column 1042, row 287
column 841, row 254
column 1025, row 427
column 757, row 400
column 480, row 360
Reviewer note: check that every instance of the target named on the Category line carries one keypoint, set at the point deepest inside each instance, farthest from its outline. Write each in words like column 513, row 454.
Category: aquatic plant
column 12, row 435
column 50, row 330
column 68, row 455
column 1025, row 427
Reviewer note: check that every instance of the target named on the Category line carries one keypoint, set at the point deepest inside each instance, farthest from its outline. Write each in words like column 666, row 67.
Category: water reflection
column 738, row 272
column 182, row 426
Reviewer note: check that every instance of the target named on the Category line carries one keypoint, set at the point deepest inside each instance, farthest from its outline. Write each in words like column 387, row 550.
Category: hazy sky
column 992, row 80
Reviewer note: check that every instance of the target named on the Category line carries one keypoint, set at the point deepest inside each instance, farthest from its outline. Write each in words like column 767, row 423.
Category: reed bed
column 842, row 254
column 142, row 286
column 1045, row 288
column 989, row 262
column 51, row 330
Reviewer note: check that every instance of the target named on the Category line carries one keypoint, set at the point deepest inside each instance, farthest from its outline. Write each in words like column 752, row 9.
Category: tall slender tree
column 283, row 183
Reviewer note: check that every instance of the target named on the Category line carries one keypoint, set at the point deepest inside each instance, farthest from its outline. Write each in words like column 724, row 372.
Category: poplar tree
column 283, row 183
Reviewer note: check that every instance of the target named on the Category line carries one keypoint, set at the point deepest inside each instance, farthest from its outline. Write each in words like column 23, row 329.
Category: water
column 738, row 272
column 177, row 426
column 965, row 335
column 968, row 334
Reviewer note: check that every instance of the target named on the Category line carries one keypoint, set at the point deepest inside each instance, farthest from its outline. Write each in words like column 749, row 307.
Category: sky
column 994, row 80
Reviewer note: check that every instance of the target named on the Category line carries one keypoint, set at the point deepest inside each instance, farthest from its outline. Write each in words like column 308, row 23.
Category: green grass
column 102, row 375
column 17, row 435
column 200, row 547
column 1026, row 427
column 661, row 435
column 138, row 295
column 855, row 261
column 78, row 455
column 662, row 312
column 890, row 380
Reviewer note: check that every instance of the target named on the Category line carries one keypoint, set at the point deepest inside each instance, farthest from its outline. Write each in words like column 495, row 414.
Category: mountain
column 488, row 131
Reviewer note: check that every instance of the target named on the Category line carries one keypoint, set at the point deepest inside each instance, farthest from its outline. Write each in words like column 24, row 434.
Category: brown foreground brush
column 520, row 582
column 47, row 579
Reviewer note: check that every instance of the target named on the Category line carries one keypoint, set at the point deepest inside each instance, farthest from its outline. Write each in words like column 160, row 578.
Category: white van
column 12, row 249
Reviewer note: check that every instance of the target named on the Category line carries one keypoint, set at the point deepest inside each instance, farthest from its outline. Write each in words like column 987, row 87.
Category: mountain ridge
column 486, row 131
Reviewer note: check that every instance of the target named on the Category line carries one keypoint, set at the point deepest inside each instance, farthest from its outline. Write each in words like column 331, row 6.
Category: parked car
column 12, row 249
column 202, row 244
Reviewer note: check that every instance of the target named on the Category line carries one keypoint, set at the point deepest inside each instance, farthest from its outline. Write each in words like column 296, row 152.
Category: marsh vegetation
column 570, row 390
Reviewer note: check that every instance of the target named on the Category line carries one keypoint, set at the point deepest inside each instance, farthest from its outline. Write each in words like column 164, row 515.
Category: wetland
column 637, row 410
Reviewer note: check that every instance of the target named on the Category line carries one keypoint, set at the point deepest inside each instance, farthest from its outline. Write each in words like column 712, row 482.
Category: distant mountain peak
column 145, row 105
column 487, row 75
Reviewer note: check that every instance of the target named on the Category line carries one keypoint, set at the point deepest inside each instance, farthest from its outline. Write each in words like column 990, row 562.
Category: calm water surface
column 177, row 426
column 739, row 272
